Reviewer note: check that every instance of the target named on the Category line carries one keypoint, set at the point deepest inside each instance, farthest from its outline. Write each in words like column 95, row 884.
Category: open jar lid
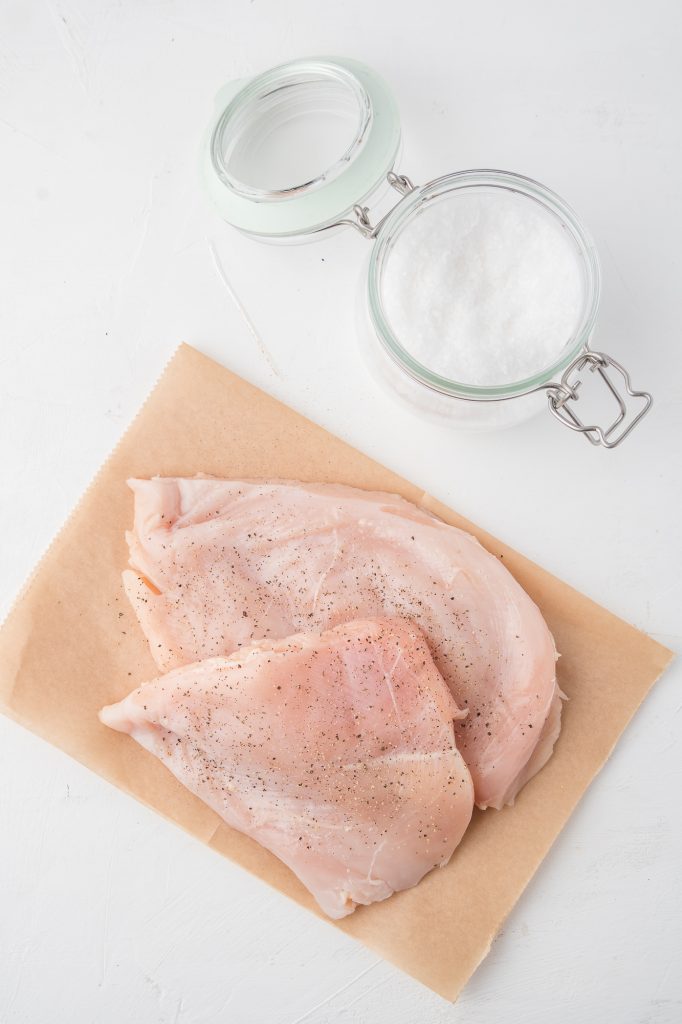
column 293, row 150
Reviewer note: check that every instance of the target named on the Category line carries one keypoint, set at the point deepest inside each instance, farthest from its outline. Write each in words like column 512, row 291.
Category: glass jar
column 297, row 151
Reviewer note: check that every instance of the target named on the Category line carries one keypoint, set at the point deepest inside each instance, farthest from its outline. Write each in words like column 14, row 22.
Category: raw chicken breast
column 335, row 751
column 232, row 562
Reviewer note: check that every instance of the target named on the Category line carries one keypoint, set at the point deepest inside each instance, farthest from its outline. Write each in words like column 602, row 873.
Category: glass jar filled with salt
column 482, row 287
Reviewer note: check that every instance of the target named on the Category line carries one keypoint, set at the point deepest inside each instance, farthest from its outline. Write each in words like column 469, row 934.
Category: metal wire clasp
column 560, row 393
column 400, row 182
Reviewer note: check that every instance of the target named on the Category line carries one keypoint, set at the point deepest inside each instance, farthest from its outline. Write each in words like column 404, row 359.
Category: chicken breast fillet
column 335, row 751
column 217, row 564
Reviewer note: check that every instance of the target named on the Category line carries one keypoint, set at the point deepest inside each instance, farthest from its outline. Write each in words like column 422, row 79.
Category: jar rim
column 403, row 213
column 273, row 81
column 331, row 194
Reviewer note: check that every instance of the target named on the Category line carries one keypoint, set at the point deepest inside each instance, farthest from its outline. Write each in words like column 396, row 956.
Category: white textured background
column 109, row 258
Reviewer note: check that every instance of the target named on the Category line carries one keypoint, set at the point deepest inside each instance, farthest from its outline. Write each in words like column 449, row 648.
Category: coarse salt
column 483, row 287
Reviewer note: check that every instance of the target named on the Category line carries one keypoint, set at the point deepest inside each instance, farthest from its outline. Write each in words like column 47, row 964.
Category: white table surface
column 110, row 257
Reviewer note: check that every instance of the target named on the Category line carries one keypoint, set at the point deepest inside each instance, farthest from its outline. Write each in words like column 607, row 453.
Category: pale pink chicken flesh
column 231, row 562
column 335, row 751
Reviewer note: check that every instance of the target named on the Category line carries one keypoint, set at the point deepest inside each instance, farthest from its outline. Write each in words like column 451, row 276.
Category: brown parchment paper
column 71, row 644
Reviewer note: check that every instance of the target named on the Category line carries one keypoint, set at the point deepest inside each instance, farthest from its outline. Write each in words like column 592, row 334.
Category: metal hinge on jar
column 401, row 183
column 565, row 391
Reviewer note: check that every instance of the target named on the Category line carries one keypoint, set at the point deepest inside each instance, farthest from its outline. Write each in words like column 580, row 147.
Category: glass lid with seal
column 294, row 150
column 482, row 287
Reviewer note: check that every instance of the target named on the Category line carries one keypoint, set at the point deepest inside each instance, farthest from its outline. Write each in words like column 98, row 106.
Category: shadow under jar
column 481, row 289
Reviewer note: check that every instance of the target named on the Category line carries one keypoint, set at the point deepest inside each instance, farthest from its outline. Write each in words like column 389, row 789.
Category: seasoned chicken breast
column 219, row 564
column 336, row 751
